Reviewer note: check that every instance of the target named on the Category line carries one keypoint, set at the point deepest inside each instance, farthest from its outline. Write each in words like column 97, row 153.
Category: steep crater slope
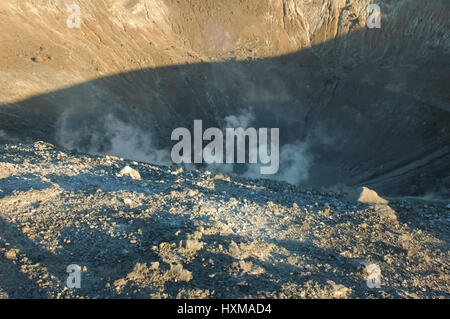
column 354, row 105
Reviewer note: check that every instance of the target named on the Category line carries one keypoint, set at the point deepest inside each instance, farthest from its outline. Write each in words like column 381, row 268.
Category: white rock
column 128, row 171
column 366, row 195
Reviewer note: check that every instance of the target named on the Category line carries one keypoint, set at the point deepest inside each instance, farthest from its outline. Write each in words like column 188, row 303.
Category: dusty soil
column 169, row 233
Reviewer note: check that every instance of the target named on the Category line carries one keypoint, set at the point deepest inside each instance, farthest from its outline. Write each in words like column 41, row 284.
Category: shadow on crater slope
column 369, row 107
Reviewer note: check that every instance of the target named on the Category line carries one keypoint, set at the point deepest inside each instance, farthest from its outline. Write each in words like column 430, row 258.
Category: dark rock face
column 365, row 106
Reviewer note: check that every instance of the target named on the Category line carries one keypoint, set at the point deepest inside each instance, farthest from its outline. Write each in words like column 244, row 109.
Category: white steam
column 115, row 138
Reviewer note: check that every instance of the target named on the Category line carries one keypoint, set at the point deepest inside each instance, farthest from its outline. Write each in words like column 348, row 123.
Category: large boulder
column 366, row 195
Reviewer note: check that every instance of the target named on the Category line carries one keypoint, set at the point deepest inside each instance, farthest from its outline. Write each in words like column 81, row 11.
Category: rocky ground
column 168, row 233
